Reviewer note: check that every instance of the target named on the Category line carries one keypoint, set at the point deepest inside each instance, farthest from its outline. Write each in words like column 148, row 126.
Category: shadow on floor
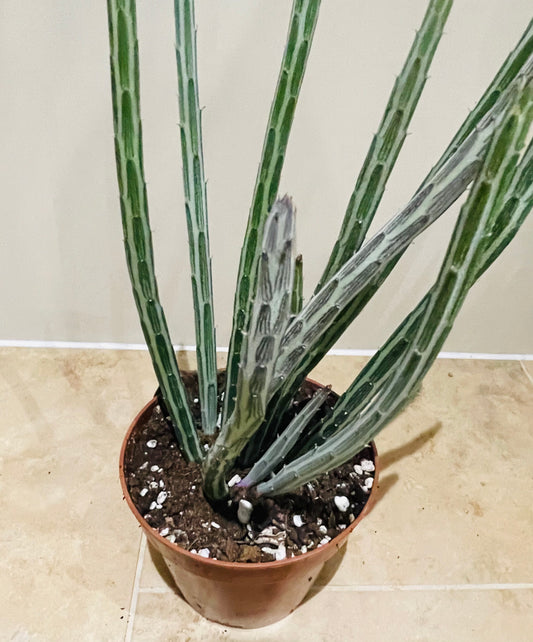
column 331, row 566
column 408, row 449
column 162, row 569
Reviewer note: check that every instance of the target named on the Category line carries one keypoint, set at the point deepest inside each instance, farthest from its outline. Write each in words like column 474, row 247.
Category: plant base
column 239, row 594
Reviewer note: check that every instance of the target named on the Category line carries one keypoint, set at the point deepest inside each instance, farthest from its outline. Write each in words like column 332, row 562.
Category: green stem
column 196, row 210
column 358, row 418
column 388, row 141
column 135, row 220
column 301, row 29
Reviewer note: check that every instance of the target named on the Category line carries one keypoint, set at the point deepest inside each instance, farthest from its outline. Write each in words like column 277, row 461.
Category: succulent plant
column 278, row 338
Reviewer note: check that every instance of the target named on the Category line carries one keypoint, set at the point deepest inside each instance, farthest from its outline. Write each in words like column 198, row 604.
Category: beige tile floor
column 446, row 554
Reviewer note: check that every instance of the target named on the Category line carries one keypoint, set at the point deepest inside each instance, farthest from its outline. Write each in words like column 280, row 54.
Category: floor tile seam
column 384, row 588
column 135, row 589
column 526, row 372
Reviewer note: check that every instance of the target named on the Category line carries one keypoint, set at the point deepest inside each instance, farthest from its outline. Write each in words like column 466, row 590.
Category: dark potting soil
column 167, row 491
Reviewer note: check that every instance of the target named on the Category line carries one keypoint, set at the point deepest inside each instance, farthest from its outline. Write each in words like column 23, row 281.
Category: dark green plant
column 277, row 338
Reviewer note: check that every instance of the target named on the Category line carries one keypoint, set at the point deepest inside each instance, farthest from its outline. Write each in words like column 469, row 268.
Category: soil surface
column 167, row 491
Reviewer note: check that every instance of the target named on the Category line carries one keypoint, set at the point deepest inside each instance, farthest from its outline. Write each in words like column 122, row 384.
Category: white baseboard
column 86, row 345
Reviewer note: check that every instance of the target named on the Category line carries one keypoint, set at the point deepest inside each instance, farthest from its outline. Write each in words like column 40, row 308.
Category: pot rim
column 252, row 566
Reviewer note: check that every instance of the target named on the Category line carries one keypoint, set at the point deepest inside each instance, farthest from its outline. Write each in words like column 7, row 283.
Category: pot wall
column 240, row 594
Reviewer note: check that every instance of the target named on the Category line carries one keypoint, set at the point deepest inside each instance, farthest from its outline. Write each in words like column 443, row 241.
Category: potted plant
column 260, row 435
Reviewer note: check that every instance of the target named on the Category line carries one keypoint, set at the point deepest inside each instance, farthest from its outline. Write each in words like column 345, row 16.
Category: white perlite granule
column 152, row 443
column 234, row 480
column 297, row 521
column 342, row 503
column 244, row 512
column 367, row 465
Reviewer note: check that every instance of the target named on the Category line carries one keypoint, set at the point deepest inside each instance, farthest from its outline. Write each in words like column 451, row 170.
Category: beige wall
column 61, row 259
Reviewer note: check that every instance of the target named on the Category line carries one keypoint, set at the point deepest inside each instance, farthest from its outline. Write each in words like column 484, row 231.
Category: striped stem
column 280, row 449
column 196, row 210
column 424, row 336
column 301, row 29
column 298, row 286
column 388, row 141
column 135, row 220
column 270, row 315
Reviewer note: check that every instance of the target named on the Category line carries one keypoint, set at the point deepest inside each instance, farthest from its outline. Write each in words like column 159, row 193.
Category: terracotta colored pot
column 247, row 595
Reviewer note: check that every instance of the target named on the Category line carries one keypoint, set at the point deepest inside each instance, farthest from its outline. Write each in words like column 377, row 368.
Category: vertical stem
column 301, row 29
column 135, row 220
column 196, row 209
column 388, row 141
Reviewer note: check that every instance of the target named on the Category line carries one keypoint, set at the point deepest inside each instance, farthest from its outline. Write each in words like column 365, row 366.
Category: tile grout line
column 376, row 588
column 336, row 352
column 136, row 590
column 386, row 588
column 526, row 371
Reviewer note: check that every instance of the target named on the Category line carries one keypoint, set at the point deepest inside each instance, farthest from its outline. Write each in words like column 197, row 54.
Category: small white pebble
column 244, row 511
column 153, row 505
column 193, row 487
column 367, row 465
column 154, row 468
column 351, row 517
column 267, row 549
column 304, row 549
column 143, row 492
column 324, row 540
column 234, row 480
column 358, row 469
column 297, row 521
column 164, row 531
column 161, row 483
column 193, row 551
column 323, row 530
column 281, row 553
column 248, row 528
column 369, row 482
column 342, row 503
column 152, row 443
column 342, row 527
column 219, row 420
column 161, row 497
column 171, row 538
column 204, row 552
column 206, row 447
column 153, row 485
column 318, row 521
column 195, row 400
column 215, row 525
column 144, row 466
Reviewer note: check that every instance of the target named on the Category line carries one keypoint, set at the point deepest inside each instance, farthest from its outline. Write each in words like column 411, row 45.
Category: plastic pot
column 247, row 595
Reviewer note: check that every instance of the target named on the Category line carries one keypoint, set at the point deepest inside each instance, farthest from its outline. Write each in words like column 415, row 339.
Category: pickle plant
column 277, row 338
